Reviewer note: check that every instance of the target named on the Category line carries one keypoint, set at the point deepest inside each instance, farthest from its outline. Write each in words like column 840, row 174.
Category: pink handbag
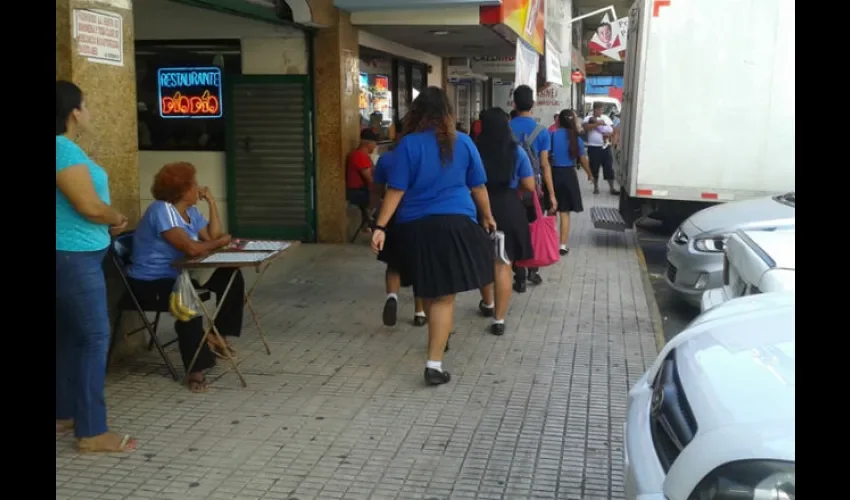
column 544, row 239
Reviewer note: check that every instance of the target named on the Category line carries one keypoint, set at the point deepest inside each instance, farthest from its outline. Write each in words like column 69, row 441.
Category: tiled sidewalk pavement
column 339, row 410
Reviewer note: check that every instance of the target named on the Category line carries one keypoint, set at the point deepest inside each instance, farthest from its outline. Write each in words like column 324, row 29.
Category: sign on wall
column 610, row 38
column 189, row 92
column 100, row 36
column 525, row 18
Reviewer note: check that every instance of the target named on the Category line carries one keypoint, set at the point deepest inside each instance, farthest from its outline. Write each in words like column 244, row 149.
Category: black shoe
column 436, row 377
column 485, row 311
column 534, row 278
column 519, row 286
column 391, row 312
column 420, row 321
column 563, row 251
column 595, row 189
column 614, row 192
column 497, row 329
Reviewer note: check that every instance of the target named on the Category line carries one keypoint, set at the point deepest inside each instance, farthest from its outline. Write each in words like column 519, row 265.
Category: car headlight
column 748, row 480
column 716, row 243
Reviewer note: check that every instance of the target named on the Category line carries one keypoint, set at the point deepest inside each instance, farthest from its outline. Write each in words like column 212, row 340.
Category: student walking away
column 554, row 126
column 599, row 129
column 536, row 142
column 508, row 170
column 567, row 153
column 84, row 221
column 358, row 175
column 391, row 253
column 446, row 251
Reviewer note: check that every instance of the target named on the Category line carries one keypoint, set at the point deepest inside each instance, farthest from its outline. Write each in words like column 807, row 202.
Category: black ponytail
column 68, row 98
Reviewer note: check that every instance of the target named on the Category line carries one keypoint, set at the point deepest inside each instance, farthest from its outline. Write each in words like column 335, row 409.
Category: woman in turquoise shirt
column 436, row 190
column 567, row 153
column 83, row 223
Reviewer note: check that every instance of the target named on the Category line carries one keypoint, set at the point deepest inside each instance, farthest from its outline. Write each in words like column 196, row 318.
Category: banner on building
column 527, row 65
column 553, row 63
column 609, row 39
column 525, row 18
column 490, row 65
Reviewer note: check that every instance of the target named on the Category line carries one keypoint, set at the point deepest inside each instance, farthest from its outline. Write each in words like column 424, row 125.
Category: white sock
column 500, row 321
column 434, row 365
column 419, row 314
column 563, row 247
column 490, row 306
column 392, row 296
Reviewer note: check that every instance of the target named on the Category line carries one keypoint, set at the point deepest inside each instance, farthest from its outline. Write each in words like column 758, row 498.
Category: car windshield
column 786, row 199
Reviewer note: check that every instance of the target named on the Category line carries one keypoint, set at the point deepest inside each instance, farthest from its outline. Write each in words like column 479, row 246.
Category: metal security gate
column 269, row 157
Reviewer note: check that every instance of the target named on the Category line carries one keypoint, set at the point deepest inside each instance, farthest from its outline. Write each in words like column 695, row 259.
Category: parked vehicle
column 714, row 416
column 755, row 262
column 695, row 251
column 695, row 136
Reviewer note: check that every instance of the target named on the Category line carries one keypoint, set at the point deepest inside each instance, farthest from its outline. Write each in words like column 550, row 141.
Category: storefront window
column 388, row 86
column 179, row 89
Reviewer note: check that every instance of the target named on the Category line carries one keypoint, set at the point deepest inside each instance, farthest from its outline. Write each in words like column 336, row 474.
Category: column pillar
column 336, row 59
column 110, row 94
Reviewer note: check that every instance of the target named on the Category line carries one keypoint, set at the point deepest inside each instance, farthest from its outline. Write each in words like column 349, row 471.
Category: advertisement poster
column 526, row 18
column 527, row 65
column 609, row 39
column 503, row 95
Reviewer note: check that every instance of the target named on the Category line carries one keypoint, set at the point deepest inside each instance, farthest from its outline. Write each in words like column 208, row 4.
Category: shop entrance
column 270, row 168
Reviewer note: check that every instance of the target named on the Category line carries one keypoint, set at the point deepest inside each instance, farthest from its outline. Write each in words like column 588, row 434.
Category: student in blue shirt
column 84, row 220
column 391, row 254
column 525, row 127
column 173, row 228
column 508, row 170
column 567, row 151
column 436, row 191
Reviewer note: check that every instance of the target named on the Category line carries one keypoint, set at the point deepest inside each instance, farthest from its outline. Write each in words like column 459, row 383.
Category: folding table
column 241, row 254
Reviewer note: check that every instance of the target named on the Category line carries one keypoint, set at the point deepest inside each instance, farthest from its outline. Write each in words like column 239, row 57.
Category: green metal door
column 270, row 168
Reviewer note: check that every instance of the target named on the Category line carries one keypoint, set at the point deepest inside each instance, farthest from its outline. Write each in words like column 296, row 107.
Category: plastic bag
column 182, row 302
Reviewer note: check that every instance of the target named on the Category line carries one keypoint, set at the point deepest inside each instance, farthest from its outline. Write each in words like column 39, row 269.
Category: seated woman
column 173, row 228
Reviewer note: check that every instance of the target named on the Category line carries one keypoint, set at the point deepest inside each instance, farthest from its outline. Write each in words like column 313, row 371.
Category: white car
column 755, row 262
column 713, row 418
column 695, row 252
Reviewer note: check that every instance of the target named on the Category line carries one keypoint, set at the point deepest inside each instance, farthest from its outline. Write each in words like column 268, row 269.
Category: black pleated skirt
column 392, row 252
column 511, row 218
column 567, row 191
column 445, row 255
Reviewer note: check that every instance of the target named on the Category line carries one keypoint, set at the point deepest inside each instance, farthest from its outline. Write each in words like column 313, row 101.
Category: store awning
column 361, row 5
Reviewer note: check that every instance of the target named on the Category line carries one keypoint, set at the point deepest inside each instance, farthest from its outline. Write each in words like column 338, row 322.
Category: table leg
column 253, row 311
column 214, row 330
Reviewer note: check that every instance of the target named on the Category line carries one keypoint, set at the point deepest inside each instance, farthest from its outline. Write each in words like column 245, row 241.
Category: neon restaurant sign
column 189, row 92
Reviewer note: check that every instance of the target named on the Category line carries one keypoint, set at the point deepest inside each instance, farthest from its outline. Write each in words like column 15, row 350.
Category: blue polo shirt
column 523, row 126
column 75, row 233
column 431, row 188
column 523, row 168
column 152, row 254
column 379, row 176
column 561, row 149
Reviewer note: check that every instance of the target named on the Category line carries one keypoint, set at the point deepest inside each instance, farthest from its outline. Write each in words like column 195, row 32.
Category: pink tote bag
column 544, row 239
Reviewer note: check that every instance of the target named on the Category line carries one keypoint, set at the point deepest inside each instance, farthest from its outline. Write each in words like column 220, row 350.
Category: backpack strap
column 533, row 137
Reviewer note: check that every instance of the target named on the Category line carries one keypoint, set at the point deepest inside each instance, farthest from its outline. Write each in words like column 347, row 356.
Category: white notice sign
column 100, row 36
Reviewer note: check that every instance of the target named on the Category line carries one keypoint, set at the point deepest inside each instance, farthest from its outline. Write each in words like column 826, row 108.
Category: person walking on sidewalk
column 391, row 253
column 536, row 142
column 599, row 129
column 436, row 188
column 508, row 170
column 567, row 154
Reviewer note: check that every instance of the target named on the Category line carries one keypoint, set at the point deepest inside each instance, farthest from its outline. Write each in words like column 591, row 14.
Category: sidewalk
column 339, row 410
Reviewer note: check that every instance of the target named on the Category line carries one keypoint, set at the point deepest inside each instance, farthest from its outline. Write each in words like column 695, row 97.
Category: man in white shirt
column 599, row 129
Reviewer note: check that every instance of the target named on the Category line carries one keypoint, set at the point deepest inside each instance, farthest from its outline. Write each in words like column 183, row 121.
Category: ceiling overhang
column 378, row 5
column 274, row 11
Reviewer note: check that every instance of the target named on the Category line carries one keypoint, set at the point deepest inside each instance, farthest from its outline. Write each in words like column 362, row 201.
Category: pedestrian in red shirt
column 358, row 176
column 554, row 126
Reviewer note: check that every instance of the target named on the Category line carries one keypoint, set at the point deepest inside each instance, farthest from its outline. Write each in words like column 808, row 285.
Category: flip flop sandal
column 84, row 447
column 197, row 386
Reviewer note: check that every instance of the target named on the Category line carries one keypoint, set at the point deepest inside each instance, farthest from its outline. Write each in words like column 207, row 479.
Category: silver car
column 695, row 251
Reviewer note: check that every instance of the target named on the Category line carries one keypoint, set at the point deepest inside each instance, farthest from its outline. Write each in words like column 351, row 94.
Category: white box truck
column 708, row 107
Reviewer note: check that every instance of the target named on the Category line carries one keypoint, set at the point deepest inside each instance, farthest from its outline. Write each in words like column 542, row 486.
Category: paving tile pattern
column 339, row 409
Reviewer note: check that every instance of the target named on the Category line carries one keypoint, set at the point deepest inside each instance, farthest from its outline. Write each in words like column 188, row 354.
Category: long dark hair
column 431, row 109
column 497, row 147
column 68, row 98
column 567, row 120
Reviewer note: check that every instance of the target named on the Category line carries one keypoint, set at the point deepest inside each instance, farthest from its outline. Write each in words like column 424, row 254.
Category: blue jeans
column 82, row 341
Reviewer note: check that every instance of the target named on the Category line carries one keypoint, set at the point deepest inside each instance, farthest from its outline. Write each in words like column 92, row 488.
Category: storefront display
column 388, row 86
